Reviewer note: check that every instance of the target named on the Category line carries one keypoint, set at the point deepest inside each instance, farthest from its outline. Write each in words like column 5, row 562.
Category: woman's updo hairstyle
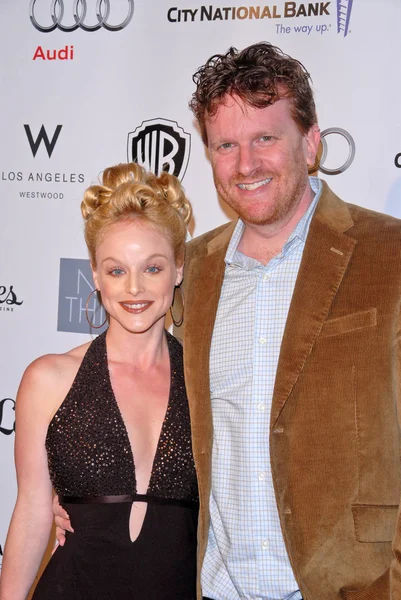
column 127, row 192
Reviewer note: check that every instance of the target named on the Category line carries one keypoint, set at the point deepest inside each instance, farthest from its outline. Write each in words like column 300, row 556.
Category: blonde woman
column 107, row 424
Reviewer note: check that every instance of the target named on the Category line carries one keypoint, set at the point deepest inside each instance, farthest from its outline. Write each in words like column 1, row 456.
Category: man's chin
column 250, row 218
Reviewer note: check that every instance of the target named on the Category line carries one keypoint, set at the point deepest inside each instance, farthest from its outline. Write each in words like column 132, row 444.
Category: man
column 292, row 351
column 292, row 347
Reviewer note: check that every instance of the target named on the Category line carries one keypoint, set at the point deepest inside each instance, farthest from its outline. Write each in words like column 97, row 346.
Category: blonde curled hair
column 126, row 191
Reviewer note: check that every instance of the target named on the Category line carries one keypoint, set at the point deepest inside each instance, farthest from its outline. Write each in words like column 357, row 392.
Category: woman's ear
column 180, row 273
column 95, row 277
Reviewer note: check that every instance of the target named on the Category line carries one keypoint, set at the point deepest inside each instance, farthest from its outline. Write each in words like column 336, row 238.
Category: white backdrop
column 90, row 89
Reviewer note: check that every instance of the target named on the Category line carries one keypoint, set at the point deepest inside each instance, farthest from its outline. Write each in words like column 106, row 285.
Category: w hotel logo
column 42, row 137
column 344, row 8
column 160, row 145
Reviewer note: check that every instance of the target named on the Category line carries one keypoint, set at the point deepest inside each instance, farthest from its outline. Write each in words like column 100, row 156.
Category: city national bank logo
column 8, row 299
column 68, row 16
column 241, row 13
column 160, row 145
column 7, row 416
column 274, row 12
column 344, row 8
column 75, row 288
column 42, row 137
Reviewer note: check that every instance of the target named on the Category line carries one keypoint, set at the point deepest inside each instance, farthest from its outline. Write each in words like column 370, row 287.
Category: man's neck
column 263, row 242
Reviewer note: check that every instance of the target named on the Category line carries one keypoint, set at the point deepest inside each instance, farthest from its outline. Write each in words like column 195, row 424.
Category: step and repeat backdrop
column 86, row 84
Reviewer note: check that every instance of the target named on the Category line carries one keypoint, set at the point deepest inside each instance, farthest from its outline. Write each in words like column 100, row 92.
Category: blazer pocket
column 374, row 523
column 347, row 323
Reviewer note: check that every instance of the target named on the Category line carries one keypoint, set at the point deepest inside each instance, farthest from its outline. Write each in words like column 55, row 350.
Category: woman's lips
column 136, row 307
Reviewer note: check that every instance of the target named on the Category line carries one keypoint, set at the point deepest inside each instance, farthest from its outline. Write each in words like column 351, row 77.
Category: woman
column 107, row 423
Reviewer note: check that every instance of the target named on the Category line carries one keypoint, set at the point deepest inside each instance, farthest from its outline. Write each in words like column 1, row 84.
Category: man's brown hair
column 260, row 75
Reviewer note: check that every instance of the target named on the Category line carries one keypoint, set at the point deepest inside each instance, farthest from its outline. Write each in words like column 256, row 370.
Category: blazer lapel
column 202, row 296
column 326, row 256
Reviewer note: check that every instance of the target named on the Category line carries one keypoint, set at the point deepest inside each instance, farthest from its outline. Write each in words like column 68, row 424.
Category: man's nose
column 248, row 160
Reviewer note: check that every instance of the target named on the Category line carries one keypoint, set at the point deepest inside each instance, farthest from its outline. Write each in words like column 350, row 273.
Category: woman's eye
column 153, row 269
column 116, row 272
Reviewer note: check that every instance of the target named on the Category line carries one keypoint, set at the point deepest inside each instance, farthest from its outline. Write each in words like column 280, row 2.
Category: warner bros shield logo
column 160, row 145
column 78, row 301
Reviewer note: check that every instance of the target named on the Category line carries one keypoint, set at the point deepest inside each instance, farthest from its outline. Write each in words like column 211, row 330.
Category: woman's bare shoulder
column 56, row 367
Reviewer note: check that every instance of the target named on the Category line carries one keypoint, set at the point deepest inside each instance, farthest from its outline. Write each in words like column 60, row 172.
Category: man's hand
column 62, row 521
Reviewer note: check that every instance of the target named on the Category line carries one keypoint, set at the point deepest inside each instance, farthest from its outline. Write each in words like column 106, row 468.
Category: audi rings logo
column 347, row 162
column 79, row 17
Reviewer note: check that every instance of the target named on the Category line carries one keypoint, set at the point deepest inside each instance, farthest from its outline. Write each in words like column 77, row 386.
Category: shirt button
column 262, row 341
column 261, row 407
column 265, row 544
column 261, row 476
column 266, row 277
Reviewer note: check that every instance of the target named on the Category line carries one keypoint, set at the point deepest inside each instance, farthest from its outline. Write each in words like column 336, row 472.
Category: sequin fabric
column 87, row 443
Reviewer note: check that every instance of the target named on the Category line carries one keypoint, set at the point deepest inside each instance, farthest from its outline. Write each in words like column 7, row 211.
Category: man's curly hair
column 260, row 75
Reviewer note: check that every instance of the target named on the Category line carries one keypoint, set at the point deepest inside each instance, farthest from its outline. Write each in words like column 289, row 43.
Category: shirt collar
column 300, row 231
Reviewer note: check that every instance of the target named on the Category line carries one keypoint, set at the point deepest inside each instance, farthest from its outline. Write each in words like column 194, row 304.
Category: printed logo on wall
column 8, row 299
column 75, row 301
column 273, row 12
column 160, row 145
column 397, row 160
column 286, row 10
column 344, row 8
column 7, row 416
column 350, row 145
column 42, row 137
column 106, row 14
column 40, row 142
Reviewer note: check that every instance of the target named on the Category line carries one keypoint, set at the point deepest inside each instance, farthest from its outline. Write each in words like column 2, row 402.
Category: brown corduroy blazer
column 334, row 432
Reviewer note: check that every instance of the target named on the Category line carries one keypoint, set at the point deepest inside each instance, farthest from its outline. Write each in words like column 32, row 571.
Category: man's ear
column 312, row 141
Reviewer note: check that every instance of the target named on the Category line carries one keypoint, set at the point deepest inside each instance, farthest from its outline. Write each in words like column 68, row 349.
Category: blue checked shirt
column 246, row 556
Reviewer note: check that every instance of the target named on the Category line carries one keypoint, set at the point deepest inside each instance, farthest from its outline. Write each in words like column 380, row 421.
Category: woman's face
column 136, row 274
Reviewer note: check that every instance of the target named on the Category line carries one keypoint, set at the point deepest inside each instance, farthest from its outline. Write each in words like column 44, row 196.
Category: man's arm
column 395, row 569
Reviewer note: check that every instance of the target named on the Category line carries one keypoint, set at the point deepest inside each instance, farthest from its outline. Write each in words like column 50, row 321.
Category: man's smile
column 254, row 186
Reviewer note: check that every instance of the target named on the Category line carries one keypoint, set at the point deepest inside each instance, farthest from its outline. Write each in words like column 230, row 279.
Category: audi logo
column 351, row 151
column 79, row 14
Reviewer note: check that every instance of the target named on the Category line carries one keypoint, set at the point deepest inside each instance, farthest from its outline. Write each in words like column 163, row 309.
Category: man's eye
column 266, row 138
column 226, row 145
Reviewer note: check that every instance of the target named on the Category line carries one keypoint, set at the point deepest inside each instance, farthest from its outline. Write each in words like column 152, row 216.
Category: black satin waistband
column 127, row 498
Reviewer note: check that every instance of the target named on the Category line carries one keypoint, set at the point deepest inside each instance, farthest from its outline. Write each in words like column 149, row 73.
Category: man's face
column 259, row 159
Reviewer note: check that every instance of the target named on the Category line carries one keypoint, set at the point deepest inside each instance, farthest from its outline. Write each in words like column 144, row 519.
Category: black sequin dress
column 92, row 470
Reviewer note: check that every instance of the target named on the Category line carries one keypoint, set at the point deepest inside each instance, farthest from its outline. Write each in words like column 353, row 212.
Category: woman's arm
column 31, row 522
